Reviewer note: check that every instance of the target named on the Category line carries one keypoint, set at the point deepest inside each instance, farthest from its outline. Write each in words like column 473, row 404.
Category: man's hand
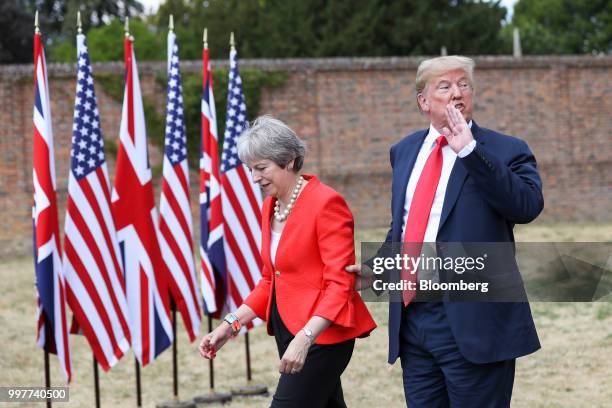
column 459, row 135
column 295, row 355
column 362, row 280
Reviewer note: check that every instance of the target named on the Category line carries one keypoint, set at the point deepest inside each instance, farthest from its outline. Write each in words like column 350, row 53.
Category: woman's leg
column 318, row 384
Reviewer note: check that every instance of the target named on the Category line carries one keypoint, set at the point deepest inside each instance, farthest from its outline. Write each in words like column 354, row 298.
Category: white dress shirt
column 274, row 240
column 448, row 157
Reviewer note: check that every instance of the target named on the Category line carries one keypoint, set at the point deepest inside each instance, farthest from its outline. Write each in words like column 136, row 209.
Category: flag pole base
column 250, row 390
column 213, row 397
column 177, row 404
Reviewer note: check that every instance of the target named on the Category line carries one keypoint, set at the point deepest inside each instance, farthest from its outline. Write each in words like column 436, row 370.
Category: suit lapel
column 456, row 181
column 404, row 163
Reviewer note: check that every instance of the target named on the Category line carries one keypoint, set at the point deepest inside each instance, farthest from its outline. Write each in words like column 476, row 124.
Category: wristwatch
column 309, row 334
column 234, row 323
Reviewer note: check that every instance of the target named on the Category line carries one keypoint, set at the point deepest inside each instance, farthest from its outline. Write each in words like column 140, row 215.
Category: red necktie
column 418, row 216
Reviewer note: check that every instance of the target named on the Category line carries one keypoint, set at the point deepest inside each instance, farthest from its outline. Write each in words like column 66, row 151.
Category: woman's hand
column 214, row 340
column 295, row 355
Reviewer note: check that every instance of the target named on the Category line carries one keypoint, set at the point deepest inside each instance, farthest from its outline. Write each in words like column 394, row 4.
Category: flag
column 241, row 200
column 212, row 256
column 94, row 277
column 50, row 282
column 175, row 223
column 135, row 216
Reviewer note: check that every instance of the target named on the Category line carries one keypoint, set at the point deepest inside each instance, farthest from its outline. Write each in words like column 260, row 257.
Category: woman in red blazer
column 306, row 297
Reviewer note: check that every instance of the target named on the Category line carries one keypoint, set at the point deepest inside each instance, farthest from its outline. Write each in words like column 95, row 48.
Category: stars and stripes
column 95, row 283
column 213, row 273
column 241, row 199
column 136, row 220
column 52, row 326
column 175, row 222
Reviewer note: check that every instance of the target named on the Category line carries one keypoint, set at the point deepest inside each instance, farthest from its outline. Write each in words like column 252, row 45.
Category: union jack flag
column 50, row 282
column 94, row 277
column 213, row 274
column 175, row 223
column 241, row 200
column 136, row 219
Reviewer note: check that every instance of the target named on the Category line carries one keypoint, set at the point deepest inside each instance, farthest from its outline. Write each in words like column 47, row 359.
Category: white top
column 274, row 240
column 448, row 157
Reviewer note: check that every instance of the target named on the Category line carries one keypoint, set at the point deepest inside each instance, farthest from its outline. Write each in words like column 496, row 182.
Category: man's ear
column 423, row 104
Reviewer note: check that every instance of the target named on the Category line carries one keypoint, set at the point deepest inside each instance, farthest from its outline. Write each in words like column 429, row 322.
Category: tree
column 106, row 43
column 16, row 33
column 320, row 28
column 564, row 26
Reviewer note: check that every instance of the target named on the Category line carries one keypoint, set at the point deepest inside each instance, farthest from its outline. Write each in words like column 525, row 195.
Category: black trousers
column 318, row 384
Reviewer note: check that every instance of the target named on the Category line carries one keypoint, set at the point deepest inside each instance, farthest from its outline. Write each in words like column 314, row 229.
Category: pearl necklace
column 282, row 217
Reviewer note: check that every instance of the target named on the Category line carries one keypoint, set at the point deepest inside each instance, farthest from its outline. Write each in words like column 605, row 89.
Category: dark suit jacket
column 490, row 190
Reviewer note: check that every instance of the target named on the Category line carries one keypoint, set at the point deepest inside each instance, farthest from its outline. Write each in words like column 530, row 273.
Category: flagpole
column 137, row 364
column 47, row 338
column 95, row 362
column 212, row 396
column 174, row 352
column 96, row 382
column 249, row 389
column 46, row 324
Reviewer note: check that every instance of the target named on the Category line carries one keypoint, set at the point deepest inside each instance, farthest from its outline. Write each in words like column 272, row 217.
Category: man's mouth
column 459, row 107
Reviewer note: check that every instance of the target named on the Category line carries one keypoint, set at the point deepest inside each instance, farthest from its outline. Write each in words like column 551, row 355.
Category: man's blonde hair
column 434, row 67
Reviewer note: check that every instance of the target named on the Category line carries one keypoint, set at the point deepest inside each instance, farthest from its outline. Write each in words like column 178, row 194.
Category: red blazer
column 316, row 244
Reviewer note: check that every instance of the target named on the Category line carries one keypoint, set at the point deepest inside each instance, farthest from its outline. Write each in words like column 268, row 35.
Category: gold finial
column 127, row 27
column 79, row 26
column 171, row 23
column 36, row 27
column 205, row 38
column 232, row 42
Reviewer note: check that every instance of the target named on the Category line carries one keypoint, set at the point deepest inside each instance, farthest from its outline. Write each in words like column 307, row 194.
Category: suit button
column 277, row 273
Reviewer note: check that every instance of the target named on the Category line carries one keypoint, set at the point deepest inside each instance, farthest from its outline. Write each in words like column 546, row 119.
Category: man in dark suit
column 458, row 182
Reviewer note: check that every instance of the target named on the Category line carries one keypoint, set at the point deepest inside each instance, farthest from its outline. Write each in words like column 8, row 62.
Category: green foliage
column 16, row 34
column 106, row 44
column 564, row 26
column 319, row 28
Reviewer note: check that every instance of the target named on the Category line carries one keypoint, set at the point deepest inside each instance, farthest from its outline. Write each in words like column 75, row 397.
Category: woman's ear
column 290, row 165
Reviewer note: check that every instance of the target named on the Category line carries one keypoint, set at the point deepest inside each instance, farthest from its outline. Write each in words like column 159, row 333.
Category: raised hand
column 458, row 134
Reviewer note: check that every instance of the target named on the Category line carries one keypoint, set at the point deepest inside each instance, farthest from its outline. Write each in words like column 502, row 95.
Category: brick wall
column 350, row 111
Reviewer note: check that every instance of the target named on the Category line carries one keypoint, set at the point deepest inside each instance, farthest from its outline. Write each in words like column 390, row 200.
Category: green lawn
column 573, row 368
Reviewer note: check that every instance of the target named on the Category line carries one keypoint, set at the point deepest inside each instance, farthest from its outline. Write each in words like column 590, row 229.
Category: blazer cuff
column 339, row 312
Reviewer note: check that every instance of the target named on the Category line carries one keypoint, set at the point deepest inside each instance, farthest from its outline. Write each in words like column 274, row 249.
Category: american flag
column 241, row 200
column 50, row 282
column 94, row 277
column 213, row 274
column 175, row 223
column 136, row 219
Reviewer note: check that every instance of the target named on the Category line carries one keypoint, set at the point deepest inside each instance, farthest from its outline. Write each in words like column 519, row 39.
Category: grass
column 571, row 369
